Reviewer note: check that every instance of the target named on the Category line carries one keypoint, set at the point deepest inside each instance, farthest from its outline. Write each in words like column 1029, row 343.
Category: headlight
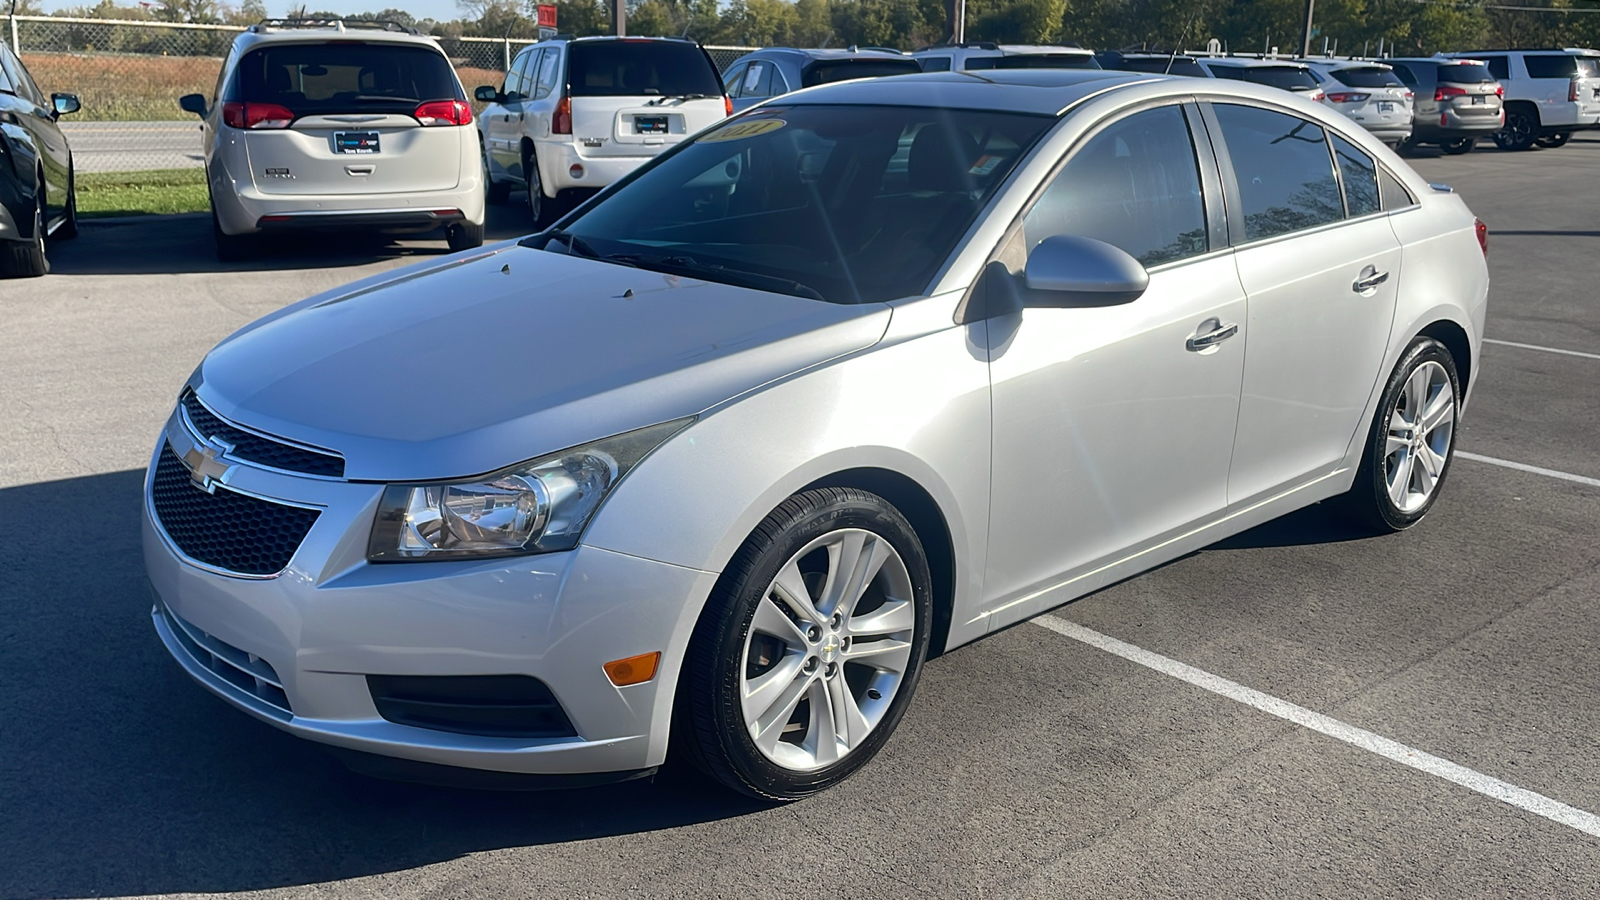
column 534, row 507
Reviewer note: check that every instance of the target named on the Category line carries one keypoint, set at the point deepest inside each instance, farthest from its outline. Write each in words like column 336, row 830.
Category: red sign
column 547, row 15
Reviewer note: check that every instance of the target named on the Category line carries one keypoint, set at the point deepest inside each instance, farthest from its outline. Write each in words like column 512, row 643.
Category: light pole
column 619, row 18
column 1305, row 32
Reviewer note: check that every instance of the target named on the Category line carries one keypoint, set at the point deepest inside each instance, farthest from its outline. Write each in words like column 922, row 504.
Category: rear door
column 638, row 97
column 1321, row 287
column 344, row 117
column 502, row 123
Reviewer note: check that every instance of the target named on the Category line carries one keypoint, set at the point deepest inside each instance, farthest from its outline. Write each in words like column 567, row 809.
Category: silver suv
column 321, row 124
column 1549, row 94
column 1458, row 102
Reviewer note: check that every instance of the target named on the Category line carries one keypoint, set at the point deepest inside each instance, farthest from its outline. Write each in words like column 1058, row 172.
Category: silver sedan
column 716, row 463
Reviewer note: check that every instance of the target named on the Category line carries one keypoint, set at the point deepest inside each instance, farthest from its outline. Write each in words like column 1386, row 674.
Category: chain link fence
column 129, row 75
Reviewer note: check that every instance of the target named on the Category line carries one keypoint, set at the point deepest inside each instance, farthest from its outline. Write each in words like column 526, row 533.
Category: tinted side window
column 512, row 87
column 1550, row 65
column 1284, row 172
column 6, row 83
column 1405, row 74
column 1498, row 67
column 1135, row 185
column 1395, row 195
column 936, row 64
column 732, row 80
column 1360, row 176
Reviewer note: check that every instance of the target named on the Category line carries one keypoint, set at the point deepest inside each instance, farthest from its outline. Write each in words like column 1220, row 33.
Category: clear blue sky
column 422, row 9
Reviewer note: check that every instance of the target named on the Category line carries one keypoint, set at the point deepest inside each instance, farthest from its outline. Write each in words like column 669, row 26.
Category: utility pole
column 1305, row 32
column 619, row 18
column 955, row 16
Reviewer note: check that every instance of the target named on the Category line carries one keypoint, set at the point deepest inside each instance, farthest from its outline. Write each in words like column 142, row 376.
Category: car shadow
column 123, row 777
column 1320, row 523
column 161, row 245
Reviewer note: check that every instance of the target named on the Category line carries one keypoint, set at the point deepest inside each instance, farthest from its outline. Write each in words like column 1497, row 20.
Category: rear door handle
column 1211, row 338
column 1368, row 280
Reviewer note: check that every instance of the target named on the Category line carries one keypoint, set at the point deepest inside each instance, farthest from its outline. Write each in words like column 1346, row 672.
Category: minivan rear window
column 1033, row 61
column 1289, row 78
column 316, row 79
column 1367, row 77
column 1465, row 73
column 639, row 68
column 827, row 71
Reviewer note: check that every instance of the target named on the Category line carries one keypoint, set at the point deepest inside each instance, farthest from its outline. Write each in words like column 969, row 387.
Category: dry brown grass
column 118, row 88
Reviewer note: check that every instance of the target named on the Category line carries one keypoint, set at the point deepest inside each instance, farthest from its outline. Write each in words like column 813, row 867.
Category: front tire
column 1411, row 441
column 809, row 649
column 1459, row 146
column 26, row 258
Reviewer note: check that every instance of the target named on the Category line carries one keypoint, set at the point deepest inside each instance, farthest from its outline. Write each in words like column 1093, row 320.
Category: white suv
column 1549, row 94
column 320, row 124
column 577, row 113
column 1369, row 93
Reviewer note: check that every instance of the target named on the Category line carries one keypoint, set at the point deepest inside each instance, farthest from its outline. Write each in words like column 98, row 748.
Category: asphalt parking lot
column 1032, row 764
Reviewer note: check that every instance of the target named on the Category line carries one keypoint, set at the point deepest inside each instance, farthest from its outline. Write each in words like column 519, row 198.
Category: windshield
column 1367, row 77
column 640, row 68
column 849, row 204
column 1033, row 61
column 315, row 79
column 1289, row 78
column 829, row 71
column 1466, row 73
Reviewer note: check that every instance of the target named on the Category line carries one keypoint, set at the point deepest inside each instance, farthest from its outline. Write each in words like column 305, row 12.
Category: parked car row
column 38, row 196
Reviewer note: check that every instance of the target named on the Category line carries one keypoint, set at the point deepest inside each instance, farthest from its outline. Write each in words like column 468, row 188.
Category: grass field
column 141, row 193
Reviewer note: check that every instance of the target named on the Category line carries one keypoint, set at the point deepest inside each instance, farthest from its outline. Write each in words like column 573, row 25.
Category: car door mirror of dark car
column 193, row 103
column 65, row 104
column 1067, row 271
column 488, row 93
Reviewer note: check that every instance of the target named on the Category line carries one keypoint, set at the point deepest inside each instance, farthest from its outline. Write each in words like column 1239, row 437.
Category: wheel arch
column 927, row 520
column 1527, row 106
column 1454, row 338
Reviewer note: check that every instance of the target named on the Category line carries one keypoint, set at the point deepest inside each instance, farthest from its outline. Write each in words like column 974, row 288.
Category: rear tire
column 1520, row 131
column 793, row 680
column 464, row 235
column 1459, row 146
column 232, row 247
column 541, row 209
column 1552, row 141
column 26, row 258
column 1405, row 146
column 494, row 192
column 1411, row 441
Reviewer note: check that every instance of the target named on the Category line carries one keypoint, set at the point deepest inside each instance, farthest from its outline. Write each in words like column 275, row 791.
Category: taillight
column 1500, row 91
column 1410, row 96
column 561, row 121
column 1445, row 92
column 1317, row 96
column 727, row 105
column 1348, row 98
column 444, row 112
column 1483, row 235
column 256, row 115
column 1572, row 91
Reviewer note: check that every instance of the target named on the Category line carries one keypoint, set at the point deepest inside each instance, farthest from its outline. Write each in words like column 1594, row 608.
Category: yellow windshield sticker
column 748, row 128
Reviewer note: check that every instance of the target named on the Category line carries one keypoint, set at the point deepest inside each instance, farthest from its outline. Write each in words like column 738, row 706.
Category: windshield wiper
column 688, row 265
column 660, row 100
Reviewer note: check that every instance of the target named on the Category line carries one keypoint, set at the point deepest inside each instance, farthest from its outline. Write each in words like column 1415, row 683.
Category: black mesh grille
column 224, row 529
column 257, row 449
column 492, row 705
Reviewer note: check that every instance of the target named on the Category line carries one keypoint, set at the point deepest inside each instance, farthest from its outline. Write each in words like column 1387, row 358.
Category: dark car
column 778, row 70
column 36, row 193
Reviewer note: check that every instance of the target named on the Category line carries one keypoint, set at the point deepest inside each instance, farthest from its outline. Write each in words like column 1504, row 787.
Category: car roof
column 1045, row 48
column 1571, row 51
column 1249, row 62
column 1037, row 91
column 333, row 30
column 1338, row 65
column 812, row 54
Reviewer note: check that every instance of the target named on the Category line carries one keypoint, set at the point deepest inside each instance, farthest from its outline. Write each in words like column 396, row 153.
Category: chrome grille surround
column 255, row 448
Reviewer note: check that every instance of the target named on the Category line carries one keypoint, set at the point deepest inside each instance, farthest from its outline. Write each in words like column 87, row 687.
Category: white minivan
column 322, row 124
column 580, row 113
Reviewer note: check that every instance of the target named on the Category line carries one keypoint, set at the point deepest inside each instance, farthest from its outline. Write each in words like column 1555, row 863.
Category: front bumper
column 300, row 644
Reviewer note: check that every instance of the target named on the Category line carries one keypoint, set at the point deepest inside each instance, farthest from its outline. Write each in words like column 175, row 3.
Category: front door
column 503, row 123
column 1114, row 426
column 1320, row 264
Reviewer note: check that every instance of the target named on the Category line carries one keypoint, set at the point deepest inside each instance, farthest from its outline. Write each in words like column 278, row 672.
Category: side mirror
column 65, row 104
column 1066, row 271
column 193, row 103
column 487, row 93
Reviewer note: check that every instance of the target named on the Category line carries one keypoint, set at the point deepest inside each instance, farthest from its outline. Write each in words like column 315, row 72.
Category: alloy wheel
column 1421, row 428
column 827, row 649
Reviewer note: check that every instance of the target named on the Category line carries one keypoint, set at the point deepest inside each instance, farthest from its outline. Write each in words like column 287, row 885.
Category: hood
column 458, row 369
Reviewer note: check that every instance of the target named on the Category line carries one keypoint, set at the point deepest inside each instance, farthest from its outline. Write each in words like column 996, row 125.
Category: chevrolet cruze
column 715, row 463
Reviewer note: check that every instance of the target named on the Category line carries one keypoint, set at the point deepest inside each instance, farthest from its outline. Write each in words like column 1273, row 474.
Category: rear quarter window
column 829, row 71
column 1550, row 65
column 936, row 64
column 637, row 68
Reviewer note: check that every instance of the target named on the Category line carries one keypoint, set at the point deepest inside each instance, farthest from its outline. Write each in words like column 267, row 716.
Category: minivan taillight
column 1483, row 235
column 444, row 112
column 561, row 120
column 1445, row 92
column 256, row 115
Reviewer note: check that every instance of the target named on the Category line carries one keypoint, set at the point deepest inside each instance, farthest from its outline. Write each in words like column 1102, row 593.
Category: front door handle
column 1368, row 280
column 1213, row 337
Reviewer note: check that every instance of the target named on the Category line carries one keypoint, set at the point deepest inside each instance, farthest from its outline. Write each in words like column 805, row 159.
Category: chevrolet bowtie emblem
column 205, row 467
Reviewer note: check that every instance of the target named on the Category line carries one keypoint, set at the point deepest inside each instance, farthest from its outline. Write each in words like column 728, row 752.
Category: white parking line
column 1544, row 349
column 1521, row 798
column 1524, row 467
